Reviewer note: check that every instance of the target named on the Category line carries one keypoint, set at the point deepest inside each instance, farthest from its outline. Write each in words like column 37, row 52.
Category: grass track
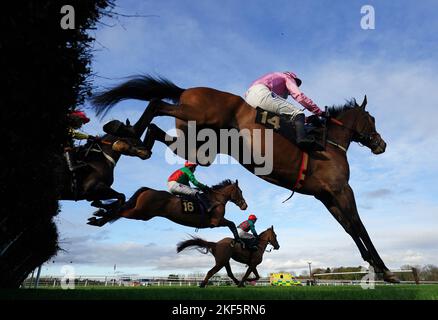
column 387, row 292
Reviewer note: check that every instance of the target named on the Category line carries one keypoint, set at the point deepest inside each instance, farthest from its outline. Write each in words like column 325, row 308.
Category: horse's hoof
column 390, row 277
column 202, row 285
column 241, row 285
column 100, row 213
column 96, row 204
column 92, row 221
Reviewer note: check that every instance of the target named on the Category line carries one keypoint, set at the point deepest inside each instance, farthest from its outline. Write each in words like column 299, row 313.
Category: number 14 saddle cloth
column 282, row 125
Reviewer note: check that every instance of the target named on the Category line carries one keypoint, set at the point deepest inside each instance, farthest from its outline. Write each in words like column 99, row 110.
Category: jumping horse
column 327, row 172
column 147, row 203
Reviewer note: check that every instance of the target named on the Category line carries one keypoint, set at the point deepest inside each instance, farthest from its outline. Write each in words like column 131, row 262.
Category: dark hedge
column 44, row 71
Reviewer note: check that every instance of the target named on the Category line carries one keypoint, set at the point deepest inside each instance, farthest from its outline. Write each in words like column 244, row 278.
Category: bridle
column 267, row 242
column 371, row 140
column 100, row 150
column 238, row 202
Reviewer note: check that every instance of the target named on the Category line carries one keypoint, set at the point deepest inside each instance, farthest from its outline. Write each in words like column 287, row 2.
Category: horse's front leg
column 342, row 206
column 256, row 273
column 245, row 277
column 101, row 191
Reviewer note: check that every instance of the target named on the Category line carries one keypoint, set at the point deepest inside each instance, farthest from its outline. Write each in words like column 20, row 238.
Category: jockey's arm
column 252, row 228
column 79, row 135
column 301, row 97
column 193, row 180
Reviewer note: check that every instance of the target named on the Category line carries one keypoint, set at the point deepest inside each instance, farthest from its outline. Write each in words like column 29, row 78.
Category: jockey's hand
column 323, row 114
column 93, row 138
column 206, row 188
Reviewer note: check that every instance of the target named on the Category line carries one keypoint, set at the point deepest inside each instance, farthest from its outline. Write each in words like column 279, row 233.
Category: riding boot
column 304, row 141
column 254, row 245
column 69, row 160
column 204, row 201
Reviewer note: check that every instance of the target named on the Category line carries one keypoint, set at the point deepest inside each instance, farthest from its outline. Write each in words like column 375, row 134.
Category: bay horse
column 147, row 203
column 227, row 249
column 94, row 180
column 327, row 172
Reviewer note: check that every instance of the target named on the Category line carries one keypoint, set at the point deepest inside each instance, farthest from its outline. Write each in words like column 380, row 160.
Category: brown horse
column 147, row 203
column 327, row 173
column 93, row 181
column 226, row 249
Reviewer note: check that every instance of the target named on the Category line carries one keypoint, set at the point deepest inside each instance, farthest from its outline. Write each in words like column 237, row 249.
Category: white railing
column 114, row 281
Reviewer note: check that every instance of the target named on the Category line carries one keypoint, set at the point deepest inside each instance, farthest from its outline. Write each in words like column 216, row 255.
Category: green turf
column 392, row 292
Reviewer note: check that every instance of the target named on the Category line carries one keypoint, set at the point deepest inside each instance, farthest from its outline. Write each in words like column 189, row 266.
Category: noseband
column 239, row 202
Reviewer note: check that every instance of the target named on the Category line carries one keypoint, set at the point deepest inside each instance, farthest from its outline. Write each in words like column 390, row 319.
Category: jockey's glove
column 93, row 138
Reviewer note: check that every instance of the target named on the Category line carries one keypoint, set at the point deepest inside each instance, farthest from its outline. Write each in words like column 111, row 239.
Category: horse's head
column 130, row 147
column 271, row 237
column 232, row 191
column 362, row 126
column 237, row 196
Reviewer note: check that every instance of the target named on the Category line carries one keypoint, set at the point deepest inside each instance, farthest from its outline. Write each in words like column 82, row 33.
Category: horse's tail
column 196, row 242
column 141, row 87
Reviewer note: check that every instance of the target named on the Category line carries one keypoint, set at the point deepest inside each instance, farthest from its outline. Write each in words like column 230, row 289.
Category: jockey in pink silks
column 270, row 93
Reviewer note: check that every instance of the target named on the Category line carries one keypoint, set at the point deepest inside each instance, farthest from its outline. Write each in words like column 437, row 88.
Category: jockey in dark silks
column 244, row 231
column 76, row 119
column 178, row 183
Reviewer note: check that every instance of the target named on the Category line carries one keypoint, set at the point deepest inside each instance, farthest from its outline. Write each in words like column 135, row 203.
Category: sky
column 228, row 44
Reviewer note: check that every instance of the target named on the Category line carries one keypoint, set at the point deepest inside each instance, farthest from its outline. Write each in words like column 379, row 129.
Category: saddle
column 281, row 124
column 250, row 244
column 191, row 205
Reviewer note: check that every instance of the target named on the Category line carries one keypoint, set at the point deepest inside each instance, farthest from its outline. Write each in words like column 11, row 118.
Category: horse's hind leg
column 230, row 273
column 155, row 133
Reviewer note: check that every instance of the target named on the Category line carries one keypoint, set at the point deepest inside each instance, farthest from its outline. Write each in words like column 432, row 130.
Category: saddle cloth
column 190, row 205
column 283, row 126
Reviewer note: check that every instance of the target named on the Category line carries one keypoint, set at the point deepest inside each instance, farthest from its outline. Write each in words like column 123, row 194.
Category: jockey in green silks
column 75, row 120
column 244, row 231
column 178, row 183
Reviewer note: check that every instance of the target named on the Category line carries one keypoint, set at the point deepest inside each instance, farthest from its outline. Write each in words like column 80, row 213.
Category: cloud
column 395, row 191
column 379, row 193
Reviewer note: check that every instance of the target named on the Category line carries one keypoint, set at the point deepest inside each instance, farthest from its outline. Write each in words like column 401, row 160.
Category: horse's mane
column 263, row 232
column 336, row 110
column 222, row 184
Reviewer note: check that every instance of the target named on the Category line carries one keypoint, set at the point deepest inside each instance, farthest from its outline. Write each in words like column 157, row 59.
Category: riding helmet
column 252, row 217
column 294, row 76
column 80, row 115
column 190, row 164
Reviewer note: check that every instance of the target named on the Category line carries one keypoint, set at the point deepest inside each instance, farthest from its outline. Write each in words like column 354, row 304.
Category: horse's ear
column 272, row 227
column 237, row 182
column 364, row 102
column 128, row 123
